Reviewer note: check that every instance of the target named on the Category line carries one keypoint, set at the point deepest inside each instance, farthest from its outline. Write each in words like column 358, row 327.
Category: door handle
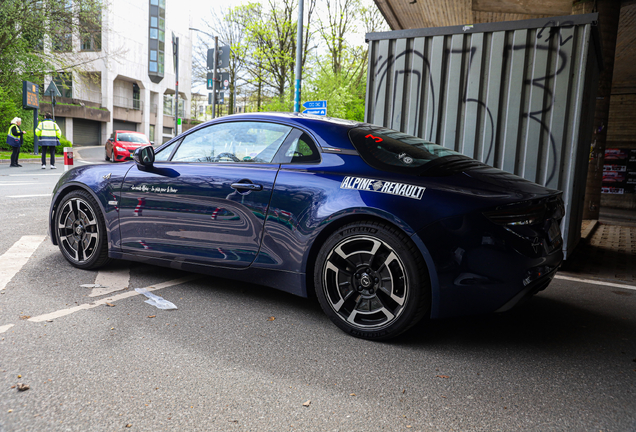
column 248, row 186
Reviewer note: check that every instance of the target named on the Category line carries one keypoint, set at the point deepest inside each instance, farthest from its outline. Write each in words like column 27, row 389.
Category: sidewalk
column 607, row 250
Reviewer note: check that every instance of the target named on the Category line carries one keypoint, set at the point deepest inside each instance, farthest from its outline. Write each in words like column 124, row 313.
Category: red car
column 121, row 145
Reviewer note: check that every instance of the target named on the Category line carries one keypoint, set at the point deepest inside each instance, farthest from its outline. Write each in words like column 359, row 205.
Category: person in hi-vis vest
column 15, row 139
column 49, row 137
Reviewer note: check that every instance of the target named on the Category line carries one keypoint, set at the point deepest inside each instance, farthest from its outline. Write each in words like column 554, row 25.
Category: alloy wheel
column 365, row 282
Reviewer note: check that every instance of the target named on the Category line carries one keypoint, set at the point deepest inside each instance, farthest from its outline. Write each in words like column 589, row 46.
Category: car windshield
column 132, row 138
column 391, row 150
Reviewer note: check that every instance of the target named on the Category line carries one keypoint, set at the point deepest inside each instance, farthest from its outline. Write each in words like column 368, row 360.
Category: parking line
column 64, row 312
column 4, row 328
column 596, row 282
column 111, row 281
column 17, row 183
column 17, row 255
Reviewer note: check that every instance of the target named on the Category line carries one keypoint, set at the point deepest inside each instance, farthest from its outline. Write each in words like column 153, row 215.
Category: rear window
column 131, row 137
column 390, row 150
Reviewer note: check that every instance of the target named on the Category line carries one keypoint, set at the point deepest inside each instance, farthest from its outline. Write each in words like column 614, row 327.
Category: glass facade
column 156, row 40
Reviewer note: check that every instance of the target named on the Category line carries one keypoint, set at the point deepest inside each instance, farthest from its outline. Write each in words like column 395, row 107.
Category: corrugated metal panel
column 516, row 95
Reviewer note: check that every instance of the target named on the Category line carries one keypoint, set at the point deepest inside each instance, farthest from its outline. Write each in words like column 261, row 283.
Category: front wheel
column 81, row 231
column 371, row 281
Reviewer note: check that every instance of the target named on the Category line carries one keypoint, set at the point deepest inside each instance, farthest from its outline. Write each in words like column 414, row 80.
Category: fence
column 516, row 95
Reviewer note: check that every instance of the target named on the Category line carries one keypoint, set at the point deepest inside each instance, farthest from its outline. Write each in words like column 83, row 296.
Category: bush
column 27, row 147
column 7, row 111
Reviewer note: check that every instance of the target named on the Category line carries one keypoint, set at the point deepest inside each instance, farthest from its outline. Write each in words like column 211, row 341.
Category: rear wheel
column 371, row 281
column 81, row 231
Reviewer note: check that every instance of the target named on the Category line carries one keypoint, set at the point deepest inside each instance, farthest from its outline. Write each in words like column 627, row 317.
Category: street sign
column 223, row 77
column 317, row 111
column 52, row 90
column 224, row 57
column 316, row 104
column 30, row 95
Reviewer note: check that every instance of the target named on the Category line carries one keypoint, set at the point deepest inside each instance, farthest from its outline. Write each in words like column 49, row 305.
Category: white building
column 129, row 77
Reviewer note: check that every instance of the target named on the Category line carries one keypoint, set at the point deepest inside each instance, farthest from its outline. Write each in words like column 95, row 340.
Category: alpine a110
column 382, row 227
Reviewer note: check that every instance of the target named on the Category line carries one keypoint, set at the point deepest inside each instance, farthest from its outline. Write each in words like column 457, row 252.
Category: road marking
column 28, row 196
column 17, row 184
column 17, row 255
column 596, row 282
column 111, row 281
column 4, row 328
column 122, row 296
column 36, row 174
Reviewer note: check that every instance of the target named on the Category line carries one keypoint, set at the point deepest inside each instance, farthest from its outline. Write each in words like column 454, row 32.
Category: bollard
column 68, row 158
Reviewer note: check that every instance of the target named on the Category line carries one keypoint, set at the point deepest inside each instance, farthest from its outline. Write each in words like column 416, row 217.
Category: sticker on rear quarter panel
column 387, row 187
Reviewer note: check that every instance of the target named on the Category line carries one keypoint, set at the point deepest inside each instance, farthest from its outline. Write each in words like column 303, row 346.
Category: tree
column 36, row 40
column 271, row 36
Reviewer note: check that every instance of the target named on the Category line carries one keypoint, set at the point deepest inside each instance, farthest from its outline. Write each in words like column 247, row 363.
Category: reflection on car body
column 383, row 227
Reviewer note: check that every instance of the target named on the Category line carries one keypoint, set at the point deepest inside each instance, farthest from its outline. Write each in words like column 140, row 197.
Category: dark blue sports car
column 383, row 227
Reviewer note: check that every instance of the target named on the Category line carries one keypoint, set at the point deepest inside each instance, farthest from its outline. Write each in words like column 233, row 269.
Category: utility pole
column 215, row 75
column 299, row 56
column 175, row 49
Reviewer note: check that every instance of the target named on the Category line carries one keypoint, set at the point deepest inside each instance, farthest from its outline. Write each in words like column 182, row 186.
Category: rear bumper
column 481, row 268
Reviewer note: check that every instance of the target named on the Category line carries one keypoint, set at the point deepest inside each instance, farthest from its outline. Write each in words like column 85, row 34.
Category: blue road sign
column 315, row 104
column 320, row 111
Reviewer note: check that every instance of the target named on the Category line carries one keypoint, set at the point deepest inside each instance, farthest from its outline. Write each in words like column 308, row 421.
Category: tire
column 371, row 281
column 80, row 231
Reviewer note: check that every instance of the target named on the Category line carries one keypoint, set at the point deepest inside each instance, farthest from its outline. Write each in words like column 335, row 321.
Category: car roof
column 127, row 131
column 332, row 130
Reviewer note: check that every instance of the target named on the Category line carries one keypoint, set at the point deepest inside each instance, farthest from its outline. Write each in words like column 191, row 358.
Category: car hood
column 129, row 145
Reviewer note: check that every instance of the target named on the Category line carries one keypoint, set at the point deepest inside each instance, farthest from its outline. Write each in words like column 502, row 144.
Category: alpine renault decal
column 382, row 186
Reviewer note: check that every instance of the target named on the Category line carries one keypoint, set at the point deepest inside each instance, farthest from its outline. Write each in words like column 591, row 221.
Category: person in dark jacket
column 49, row 137
column 15, row 138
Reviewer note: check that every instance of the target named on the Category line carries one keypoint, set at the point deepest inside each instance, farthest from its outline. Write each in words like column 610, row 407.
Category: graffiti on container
column 551, row 30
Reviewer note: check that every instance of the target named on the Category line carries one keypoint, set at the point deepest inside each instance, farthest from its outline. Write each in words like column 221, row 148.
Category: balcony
column 128, row 103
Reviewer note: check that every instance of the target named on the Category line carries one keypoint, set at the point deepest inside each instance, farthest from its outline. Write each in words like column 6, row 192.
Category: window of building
column 156, row 39
column 64, row 83
column 136, row 97
column 168, row 102
column 62, row 42
column 90, row 19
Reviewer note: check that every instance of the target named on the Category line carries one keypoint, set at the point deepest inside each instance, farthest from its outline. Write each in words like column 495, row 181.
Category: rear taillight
column 518, row 214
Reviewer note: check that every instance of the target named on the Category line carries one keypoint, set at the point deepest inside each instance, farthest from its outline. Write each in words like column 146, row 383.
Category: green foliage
column 7, row 110
column 27, row 146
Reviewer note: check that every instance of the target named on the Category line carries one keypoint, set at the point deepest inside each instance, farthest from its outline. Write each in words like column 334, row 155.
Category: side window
column 243, row 142
column 302, row 150
column 164, row 153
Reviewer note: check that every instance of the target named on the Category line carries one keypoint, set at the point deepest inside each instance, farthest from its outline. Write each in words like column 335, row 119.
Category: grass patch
column 5, row 155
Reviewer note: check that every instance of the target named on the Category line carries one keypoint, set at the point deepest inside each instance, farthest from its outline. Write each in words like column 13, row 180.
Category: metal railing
column 126, row 102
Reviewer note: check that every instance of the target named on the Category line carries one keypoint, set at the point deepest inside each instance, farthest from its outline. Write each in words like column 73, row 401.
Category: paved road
column 244, row 357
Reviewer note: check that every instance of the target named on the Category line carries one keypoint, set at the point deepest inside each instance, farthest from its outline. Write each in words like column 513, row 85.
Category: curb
column 33, row 160
column 589, row 230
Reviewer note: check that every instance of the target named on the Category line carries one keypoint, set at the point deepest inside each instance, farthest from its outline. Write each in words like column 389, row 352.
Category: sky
column 203, row 10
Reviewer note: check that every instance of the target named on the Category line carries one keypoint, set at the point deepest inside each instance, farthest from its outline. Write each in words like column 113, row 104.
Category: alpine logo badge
column 392, row 188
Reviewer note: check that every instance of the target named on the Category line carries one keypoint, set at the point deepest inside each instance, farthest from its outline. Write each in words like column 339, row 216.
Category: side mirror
column 144, row 157
column 111, row 139
column 152, row 143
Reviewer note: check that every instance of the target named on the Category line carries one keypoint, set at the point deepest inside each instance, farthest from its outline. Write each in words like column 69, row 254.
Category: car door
column 205, row 199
